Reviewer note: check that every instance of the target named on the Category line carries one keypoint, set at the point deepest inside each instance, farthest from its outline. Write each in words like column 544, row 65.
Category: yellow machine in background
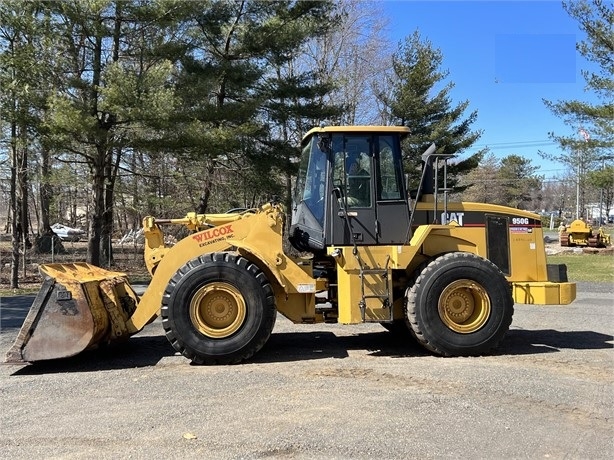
column 579, row 233
column 364, row 251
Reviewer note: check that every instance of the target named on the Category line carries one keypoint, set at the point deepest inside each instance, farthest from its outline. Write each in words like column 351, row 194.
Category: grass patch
column 16, row 292
column 586, row 267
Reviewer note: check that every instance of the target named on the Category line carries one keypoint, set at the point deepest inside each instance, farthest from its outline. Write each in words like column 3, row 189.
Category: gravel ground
column 325, row 392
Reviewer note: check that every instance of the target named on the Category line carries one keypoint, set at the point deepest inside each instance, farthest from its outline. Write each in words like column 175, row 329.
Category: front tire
column 218, row 308
column 459, row 305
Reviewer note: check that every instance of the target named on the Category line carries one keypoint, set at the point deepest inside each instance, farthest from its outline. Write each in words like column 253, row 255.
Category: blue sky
column 504, row 57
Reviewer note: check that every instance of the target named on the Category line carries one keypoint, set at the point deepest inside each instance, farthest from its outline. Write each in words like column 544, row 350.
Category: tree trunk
column 23, row 190
column 111, row 170
column 203, row 203
column 111, row 164
column 135, row 221
column 97, row 211
column 46, row 192
column 14, row 210
column 98, row 164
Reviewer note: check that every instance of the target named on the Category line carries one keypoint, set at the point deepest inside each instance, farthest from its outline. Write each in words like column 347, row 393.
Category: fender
column 257, row 236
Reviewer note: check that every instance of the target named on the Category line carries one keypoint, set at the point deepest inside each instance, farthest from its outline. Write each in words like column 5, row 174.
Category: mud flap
column 78, row 307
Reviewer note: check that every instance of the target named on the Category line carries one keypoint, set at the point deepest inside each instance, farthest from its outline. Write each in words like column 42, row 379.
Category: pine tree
column 234, row 96
column 22, row 80
column 417, row 100
column 603, row 180
column 111, row 82
column 481, row 183
column 518, row 180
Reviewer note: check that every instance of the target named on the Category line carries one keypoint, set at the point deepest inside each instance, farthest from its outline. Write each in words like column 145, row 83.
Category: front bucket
column 78, row 307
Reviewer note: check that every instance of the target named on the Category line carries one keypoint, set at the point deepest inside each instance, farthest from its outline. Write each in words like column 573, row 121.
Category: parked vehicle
column 66, row 233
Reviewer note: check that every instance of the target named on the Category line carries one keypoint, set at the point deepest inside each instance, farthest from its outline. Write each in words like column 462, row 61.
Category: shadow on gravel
column 300, row 346
column 525, row 342
column 147, row 351
column 137, row 352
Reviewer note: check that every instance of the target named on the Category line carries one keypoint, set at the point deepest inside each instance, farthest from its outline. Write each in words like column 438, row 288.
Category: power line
column 518, row 144
column 522, row 142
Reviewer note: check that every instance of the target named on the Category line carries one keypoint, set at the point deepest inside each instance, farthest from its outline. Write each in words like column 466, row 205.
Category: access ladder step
column 363, row 309
column 374, row 271
column 383, row 275
column 376, row 296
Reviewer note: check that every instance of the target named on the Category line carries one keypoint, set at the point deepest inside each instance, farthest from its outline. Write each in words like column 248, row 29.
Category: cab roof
column 357, row 129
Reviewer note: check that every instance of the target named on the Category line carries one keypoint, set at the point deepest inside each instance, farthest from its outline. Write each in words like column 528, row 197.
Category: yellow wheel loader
column 367, row 250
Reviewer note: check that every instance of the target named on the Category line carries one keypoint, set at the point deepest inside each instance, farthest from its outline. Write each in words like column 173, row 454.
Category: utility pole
column 601, row 195
column 586, row 137
column 578, row 189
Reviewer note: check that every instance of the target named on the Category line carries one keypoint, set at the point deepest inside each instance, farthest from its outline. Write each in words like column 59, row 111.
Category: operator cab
column 350, row 188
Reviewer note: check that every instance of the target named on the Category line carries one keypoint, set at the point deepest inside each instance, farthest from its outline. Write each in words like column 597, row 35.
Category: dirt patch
column 555, row 248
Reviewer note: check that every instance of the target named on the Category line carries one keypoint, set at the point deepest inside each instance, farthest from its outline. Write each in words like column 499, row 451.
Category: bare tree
column 481, row 183
column 353, row 57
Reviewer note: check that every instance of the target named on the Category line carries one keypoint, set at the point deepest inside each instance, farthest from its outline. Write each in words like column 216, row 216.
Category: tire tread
column 269, row 313
column 424, row 272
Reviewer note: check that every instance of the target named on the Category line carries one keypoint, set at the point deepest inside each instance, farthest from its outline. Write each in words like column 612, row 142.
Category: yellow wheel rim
column 217, row 310
column 464, row 306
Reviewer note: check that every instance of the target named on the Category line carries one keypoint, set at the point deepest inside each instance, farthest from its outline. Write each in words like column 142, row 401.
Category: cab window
column 352, row 169
column 311, row 187
column 390, row 176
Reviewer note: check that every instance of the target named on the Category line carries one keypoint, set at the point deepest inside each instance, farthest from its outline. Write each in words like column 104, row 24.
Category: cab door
column 352, row 211
column 392, row 208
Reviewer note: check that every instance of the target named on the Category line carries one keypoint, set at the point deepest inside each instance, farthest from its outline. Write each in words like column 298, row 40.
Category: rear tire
column 459, row 305
column 218, row 308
